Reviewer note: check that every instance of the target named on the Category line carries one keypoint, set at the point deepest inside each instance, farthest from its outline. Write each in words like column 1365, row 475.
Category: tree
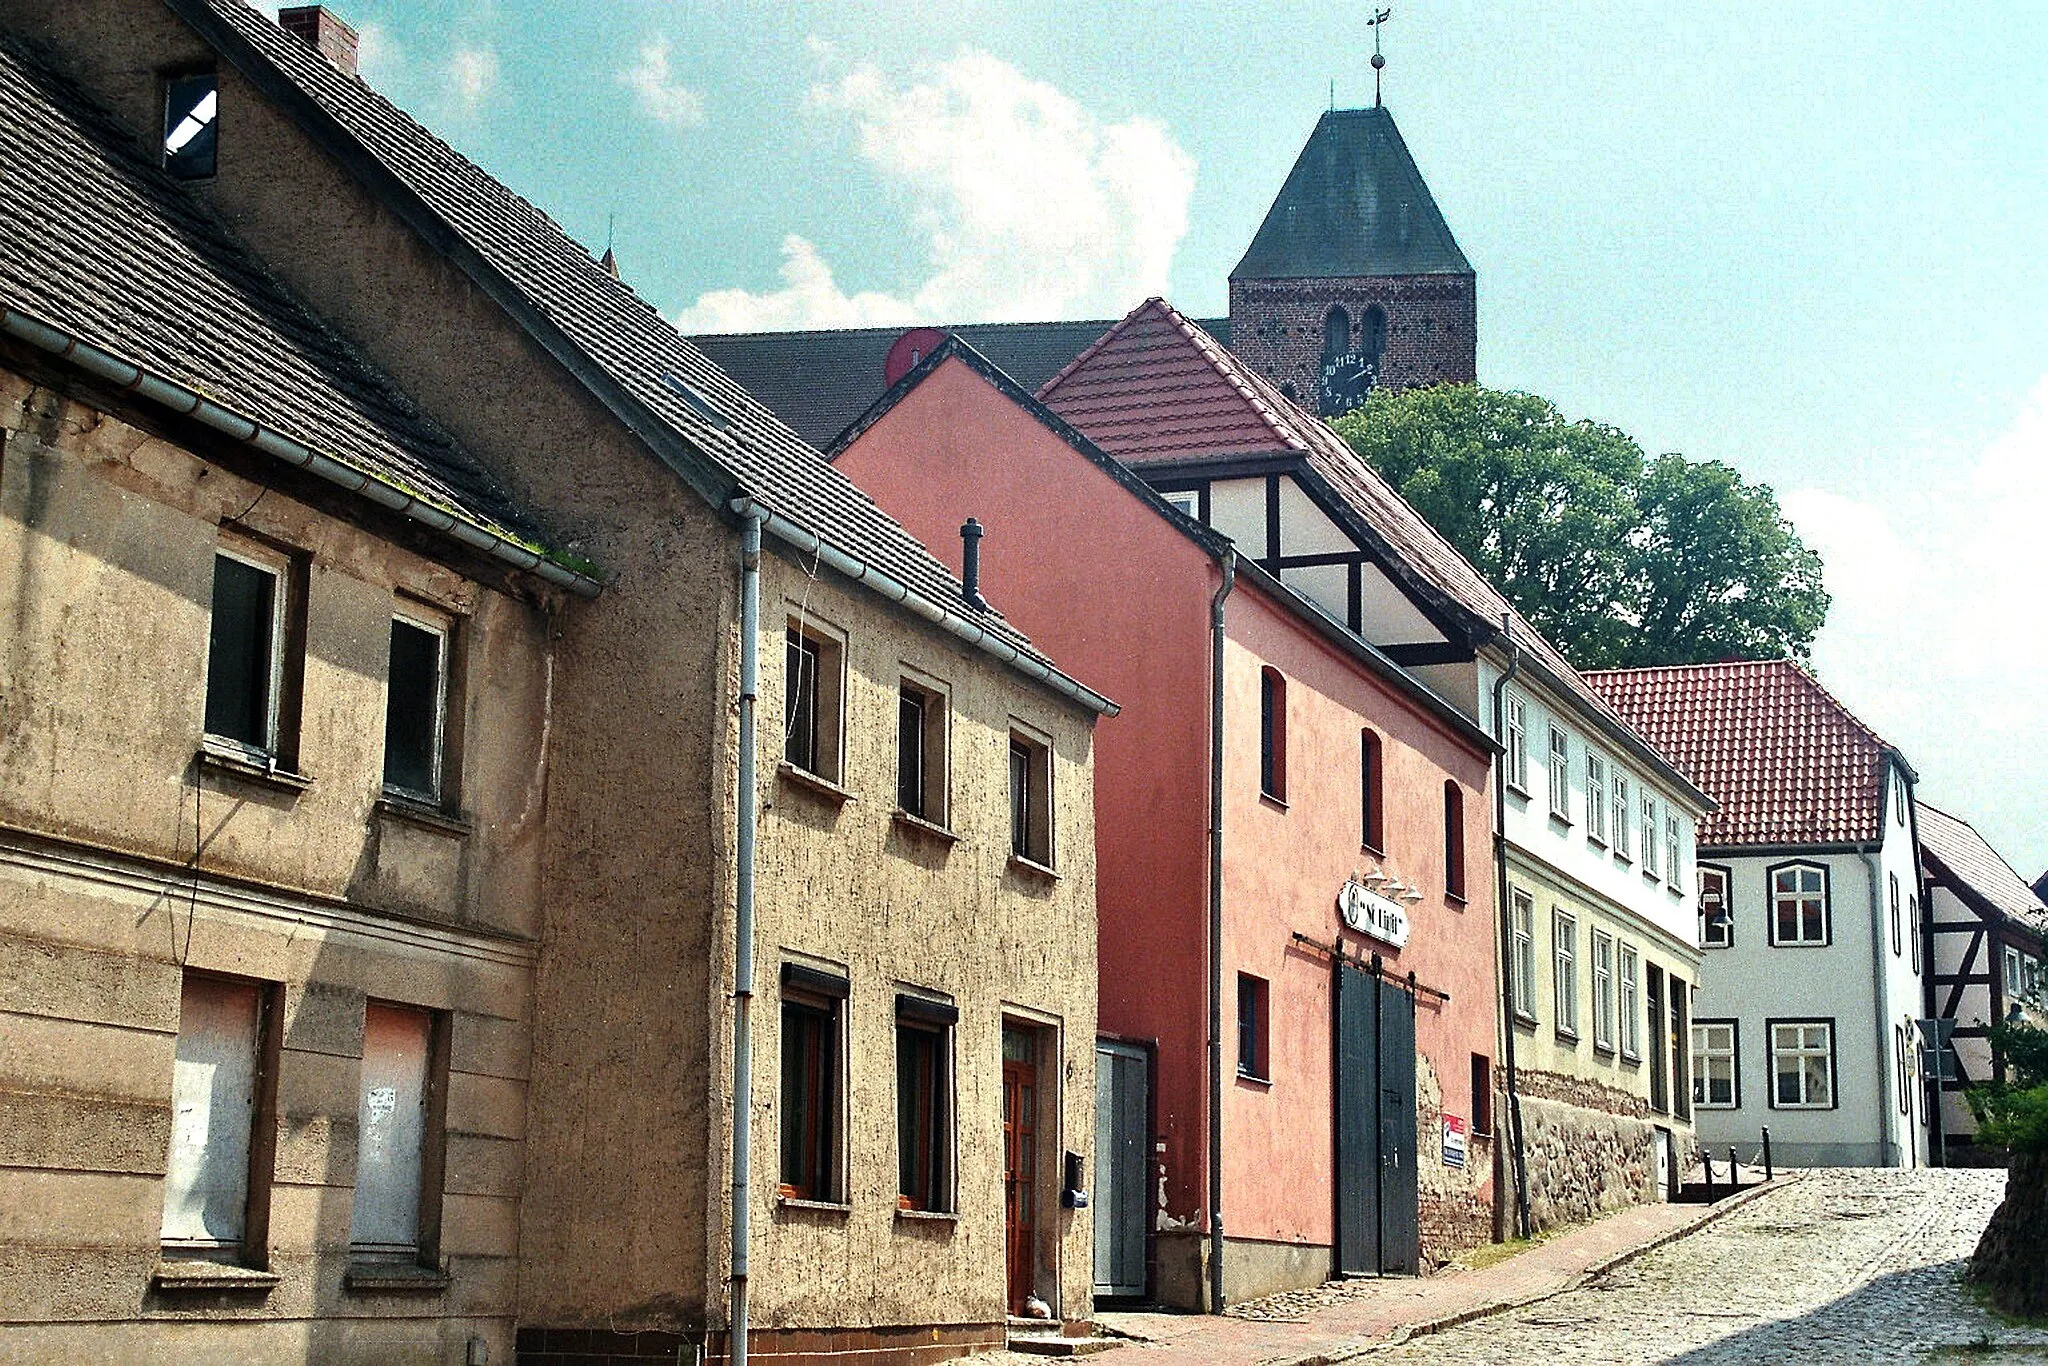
column 2014, row 1114
column 1618, row 560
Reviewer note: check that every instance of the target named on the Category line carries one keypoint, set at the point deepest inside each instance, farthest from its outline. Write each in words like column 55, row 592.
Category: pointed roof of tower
column 1353, row 205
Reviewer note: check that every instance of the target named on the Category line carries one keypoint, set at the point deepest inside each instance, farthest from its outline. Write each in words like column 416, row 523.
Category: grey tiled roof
column 1353, row 205
column 1955, row 847
column 99, row 243
column 821, row 381
column 723, row 439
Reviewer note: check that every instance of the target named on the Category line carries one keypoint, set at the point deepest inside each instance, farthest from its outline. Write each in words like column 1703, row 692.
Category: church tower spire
column 1354, row 279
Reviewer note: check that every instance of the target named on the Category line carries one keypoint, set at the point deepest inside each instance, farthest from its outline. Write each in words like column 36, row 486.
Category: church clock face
column 1346, row 379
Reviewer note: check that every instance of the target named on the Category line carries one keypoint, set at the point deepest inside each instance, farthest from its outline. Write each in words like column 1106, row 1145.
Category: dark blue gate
column 1377, row 1225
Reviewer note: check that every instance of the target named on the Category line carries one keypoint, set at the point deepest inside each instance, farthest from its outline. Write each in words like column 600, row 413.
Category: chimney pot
column 322, row 30
column 970, row 565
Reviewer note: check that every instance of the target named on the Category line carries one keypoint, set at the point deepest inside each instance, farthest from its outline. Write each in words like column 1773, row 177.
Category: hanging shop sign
column 1373, row 915
column 1454, row 1140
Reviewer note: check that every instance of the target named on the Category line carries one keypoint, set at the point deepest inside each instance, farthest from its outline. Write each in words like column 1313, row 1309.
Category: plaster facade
column 1981, row 966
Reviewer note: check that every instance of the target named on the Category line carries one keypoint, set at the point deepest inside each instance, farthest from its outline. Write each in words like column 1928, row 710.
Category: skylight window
column 191, row 125
column 698, row 403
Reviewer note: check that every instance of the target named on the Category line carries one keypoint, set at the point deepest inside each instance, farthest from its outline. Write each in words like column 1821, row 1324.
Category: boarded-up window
column 214, row 1099
column 391, row 1129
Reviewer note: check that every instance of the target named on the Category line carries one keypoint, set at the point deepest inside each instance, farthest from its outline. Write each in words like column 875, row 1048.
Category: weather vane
column 1379, row 63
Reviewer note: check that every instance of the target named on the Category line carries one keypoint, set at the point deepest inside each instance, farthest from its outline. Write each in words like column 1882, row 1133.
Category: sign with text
column 1372, row 914
column 1454, row 1140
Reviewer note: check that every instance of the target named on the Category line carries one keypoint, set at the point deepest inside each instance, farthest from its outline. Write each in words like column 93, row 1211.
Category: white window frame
column 2015, row 974
column 1564, row 965
column 1524, row 966
column 1801, row 1048
column 1187, row 502
column 1560, row 773
column 1603, row 991
column 1706, row 1052
column 1516, row 740
column 1628, row 979
column 1778, row 896
column 1596, row 797
column 1674, row 855
column 1622, row 816
column 1726, row 938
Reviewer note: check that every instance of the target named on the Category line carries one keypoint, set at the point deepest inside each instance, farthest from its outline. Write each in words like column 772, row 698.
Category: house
column 1809, row 899
column 1987, row 933
column 1296, row 1021
column 1596, row 906
column 806, row 831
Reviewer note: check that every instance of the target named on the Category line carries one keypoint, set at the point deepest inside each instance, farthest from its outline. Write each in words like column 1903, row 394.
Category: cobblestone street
column 1843, row 1266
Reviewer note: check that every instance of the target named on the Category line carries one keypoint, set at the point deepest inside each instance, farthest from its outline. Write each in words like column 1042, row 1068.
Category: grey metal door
column 1122, row 1135
column 1377, row 1224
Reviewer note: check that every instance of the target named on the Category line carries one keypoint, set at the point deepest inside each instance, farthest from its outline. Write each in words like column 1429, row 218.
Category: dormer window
column 191, row 125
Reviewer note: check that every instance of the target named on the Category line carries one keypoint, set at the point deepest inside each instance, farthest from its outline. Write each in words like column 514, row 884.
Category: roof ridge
column 1241, row 378
column 1116, row 329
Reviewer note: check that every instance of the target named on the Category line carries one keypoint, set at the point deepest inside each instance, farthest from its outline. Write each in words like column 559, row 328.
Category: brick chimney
column 318, row 26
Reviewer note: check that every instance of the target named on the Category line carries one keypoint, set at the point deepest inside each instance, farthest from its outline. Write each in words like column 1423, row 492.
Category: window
column 1802, row 1064
column 1454, row 840
column 1482, row 1095
column 1564, row 950
column 1629, row 1023
column 1516, row 739
column 1273, row 734
column 1524, row 979
column 1030, row 799
column 223, row 1102
column 1899, row 800
column 1660, row 1055
column 191, row 125
column 1603, row 991
column 1251, row 1026
column 1648, row 812
column 1715, row 1062
column 811, row 714
column 1679, row 1035
column 1596, row 798
column 1913, row 928
column 416, row 708
column 246, row 649
column 1185, row 501
column 1799, row 904
column 924, row 1103
column 1560, row 774
column 921, row 752
column 812, row 1007
column 1898, row 939
column 2015, row 976
column 1674, row 855
column 1371, row 817
column 1621, row 815
column 1902, row 1083
column 398, row 1135
column 1717, row 921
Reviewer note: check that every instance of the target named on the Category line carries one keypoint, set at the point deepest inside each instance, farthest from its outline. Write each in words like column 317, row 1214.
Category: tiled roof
column 631, row 358
column 98, row 242
column 1158, row 388
column 1953, row 845
column 1786, row 761
column 820, row 381
column 1353, row 205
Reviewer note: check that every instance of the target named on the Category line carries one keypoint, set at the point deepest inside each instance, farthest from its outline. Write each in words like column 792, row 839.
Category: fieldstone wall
column 1276, row 327
column 1589, row 1148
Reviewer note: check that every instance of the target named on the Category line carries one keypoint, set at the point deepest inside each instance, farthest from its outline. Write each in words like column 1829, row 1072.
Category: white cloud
column 1938, row 636
column 472, row 76
column 665, row 98
column 378, row 54
column 1029, row 206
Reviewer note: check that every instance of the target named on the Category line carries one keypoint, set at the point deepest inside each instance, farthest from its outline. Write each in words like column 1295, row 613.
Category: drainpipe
column 743, row 927
column 1229, row 562
column 1507, row 938
column 1878, row 995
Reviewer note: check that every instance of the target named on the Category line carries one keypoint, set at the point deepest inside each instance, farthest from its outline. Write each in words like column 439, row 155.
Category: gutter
column 132, row 378
column 1507, row 942
column 965, row 628
column 743, row 932
column 1228, row 562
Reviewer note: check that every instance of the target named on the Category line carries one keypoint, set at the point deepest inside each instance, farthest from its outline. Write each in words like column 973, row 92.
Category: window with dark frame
column 811, row 701
column 1251, row 1027
column 1802, row 1064
column 1913, row 928
column 1896, row 911
column 1678, row 1041
column 1717, row 920
column 812, row 1007
column 1482, row 1095
column 921, row 752
column 1653, row 1006
column 1799, row 904
column 1030, row 800
column 1371, row 816
column 924, row 1103
column 245, row 653
column 1454, row 840
column 395, row 1211
column 1273, row 734
column 191, row 147
column 223, row 1086
column 415, row 709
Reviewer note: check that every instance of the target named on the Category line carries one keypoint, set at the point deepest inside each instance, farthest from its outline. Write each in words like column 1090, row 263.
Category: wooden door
column 1020, row 1172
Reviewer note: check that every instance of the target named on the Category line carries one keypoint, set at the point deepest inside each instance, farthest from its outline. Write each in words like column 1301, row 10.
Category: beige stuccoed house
column 872, row 908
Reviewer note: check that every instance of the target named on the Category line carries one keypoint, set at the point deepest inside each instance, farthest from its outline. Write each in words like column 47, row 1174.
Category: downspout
column 1878, row 994
column 1507, row 940
column 743, row 927
column 1229, row 563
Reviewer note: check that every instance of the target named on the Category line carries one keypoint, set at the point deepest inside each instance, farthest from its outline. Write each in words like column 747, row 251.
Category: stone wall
column 1589, row 1148
column 1276, row 326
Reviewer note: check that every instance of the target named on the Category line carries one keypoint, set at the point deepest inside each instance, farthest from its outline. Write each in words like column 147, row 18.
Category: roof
column 1158, row 389
column 715, row 434
column 1953, row 846
column 1787, row 762
column 819, row 382
column 136, row 265
column 1353, row 205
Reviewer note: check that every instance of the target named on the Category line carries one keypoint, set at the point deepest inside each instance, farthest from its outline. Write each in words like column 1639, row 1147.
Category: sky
column 1804, row 239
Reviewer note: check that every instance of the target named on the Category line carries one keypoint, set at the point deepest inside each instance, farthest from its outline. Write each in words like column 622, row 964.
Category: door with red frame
column 1020, row 1163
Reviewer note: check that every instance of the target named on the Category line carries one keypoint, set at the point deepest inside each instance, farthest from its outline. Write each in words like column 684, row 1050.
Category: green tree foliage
column 1621, row 561
column 2014, row 1113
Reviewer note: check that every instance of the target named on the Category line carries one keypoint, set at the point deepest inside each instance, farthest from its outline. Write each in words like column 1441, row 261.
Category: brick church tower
column 1354, row 279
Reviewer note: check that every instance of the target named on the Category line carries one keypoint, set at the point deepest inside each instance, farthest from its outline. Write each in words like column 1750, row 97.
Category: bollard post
column 1734, row 1173
column 1768, row 1173
column 1707, row 1161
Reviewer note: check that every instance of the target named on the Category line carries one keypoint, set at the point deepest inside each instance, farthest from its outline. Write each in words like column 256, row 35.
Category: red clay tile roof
column 1786, row 761
column 1953, row 847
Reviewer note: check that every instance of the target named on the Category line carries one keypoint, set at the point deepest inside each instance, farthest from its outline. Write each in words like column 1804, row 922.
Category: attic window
column 191, row 125
column 698, row 404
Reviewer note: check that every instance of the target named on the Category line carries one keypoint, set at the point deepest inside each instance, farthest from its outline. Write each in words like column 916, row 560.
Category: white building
column 1809, row 898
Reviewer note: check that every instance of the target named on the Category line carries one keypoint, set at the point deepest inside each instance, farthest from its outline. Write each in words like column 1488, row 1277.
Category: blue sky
column 1805, row 239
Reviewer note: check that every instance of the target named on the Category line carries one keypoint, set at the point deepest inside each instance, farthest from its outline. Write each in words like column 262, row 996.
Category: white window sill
column 797, row 1202
column 398, row 806
column 815, row 784
column 928, row 1216
column 918, row 825
column 1032, row 868
column 227, row 758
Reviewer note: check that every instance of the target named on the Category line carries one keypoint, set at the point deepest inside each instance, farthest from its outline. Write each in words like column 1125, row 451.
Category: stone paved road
column 1848, row 1266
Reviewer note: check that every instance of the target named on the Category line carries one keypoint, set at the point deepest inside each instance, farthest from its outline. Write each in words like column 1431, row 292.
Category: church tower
column 1354, row 279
